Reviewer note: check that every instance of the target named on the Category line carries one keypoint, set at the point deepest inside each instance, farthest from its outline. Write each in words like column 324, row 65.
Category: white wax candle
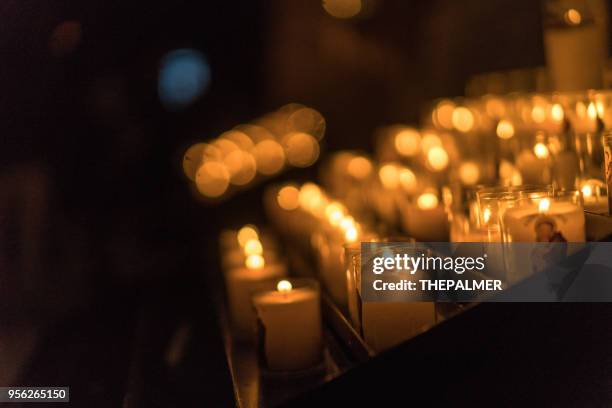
column 575, row 57
column 424, row 223
column 291, row 321
column 241, row 283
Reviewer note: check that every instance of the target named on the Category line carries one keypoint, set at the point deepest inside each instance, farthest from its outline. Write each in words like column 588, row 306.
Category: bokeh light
column 389, row 176
column 505, row 129
column 437, row 158
column 288, row 198
column 407, row 142
column 306, row 120
column 427, row 201
column 469, row 173
column 192, row 160
column 247, row 233
column 212, row 179
column 301, row 149
column 359, row 167
column 463, row 119
column 269, row 156
column 184, row 75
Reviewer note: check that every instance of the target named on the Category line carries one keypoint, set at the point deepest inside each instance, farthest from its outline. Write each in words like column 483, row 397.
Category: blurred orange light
column 212, row 179
column 407, row 142
column 463, row 119
column 359, row 167
column 288, row 198
column 389, row 176
column 437, row 158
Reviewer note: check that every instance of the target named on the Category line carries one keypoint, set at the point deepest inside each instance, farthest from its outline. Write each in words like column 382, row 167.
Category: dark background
column 104, row 250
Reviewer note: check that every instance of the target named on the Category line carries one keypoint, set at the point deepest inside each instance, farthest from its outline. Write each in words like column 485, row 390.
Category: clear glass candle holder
column 554, row 217
column 607, row 145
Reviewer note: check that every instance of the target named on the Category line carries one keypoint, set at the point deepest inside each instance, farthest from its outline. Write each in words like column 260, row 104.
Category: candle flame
column 351, row 234
column 255, row 261
column 592, row 111
column 557, row 112
column 486, row 215
column 334, row 213
column 572, row 17
column 587, row 190
column 540, row 150
column 284, row 286
column 544, row 205
column 253, row 247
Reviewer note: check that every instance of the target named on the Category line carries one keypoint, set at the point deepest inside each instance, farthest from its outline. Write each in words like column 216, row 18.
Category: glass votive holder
column 556, row 217
column 607, row 144
column 289, row 327
column 352, row 261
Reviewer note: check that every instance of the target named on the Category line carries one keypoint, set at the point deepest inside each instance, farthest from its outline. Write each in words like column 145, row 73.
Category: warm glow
column 572, row 17
column 351, row 234
column 288, row 198
column 407, row 142
column 587, row 190
column 301, row 149
column 430, row 140
column 306, row 120
column 247, row 233
column 347, row 222
column 359, row 167
column 334, row 212
column 253, row 247
column 284, row 286
column 444, row 114
column 505, row 129
column 556, row 112
column 407, row 180
column 389, row 176
column 342, row 8
column 192, row 160
column 270, row 157
column 541, row 151
column 486, row 215
column 437, row 158
column 427, row 201
column 212, row 179
column 469, row 173
column 255, row 261
column 241, row 167
column 463, row 119
column 538, row 114
column 544, row 205
column 592, row 111
column 310, row 193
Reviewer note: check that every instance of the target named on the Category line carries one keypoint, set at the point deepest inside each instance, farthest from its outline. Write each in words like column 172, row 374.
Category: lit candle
column 290, row 320
column 595, row 196
column 425, row 220
column 544, row 220
column 241, row 283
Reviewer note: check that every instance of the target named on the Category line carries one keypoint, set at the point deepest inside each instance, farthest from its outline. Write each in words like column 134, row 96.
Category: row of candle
column 289, row 136
column 329, row 232
column 265, row 305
